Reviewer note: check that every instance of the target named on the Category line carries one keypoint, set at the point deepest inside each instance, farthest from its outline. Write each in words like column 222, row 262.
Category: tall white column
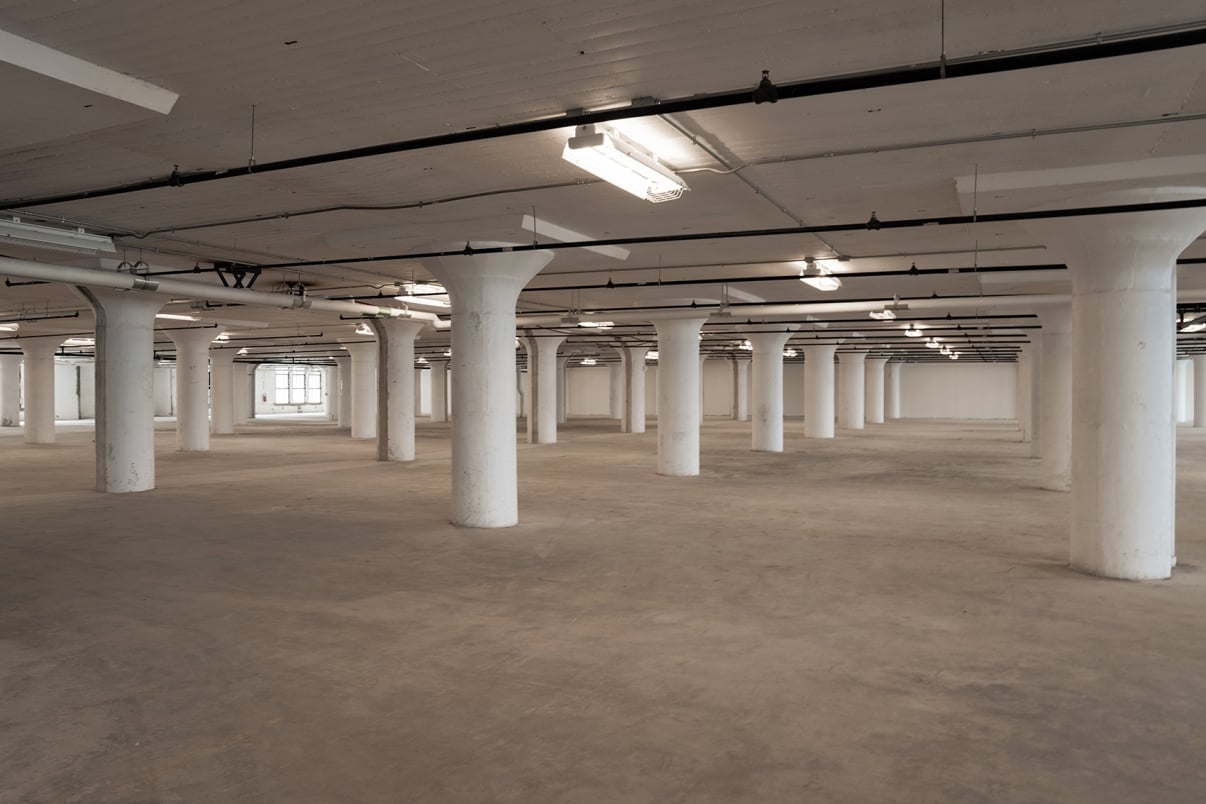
column 439, row 388
column 703, row 359
column 1035, row 387
column 873, row 389
column 615, row 389
column 851, row 394
column 252, row 368
column 562, row 391
column 364, row 388
column 484, row 290
column 39, row 388
column 10, row 390
column 343, row 389
column 331, row 380
column 546, row 378
column 125, row 405
column 678, row 396
column 418, row 392
column 634, row 389
column 1055, row 473
column 239, row 387
column 1024, row 368
column 395, row 387
column 892, row 393
column 768, row 390
column 818, row 391
column 741, row 389
column 1184, row 404
column 1199, row 391
column 192, row 387
column 221, row 390
column 1123, row 436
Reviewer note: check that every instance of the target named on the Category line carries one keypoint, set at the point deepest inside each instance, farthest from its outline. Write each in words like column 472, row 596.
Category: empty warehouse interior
column 646, row 402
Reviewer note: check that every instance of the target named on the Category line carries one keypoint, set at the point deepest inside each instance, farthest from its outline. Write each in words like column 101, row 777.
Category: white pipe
column 91, row 277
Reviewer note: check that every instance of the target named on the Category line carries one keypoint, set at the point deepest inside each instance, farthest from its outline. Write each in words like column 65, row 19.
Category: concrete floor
column 882, row 618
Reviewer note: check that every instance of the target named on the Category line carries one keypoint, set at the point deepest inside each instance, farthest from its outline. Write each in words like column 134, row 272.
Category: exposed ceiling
column 328, row 76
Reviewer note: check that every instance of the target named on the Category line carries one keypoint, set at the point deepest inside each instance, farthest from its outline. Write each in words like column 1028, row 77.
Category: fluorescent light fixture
column 422, row 361
column 76, row 240
column 242, row 351
column 9, row 327
column 746, row 346
column 955, row 356
column 221, row 337
column 913, row 331
column 614, row 159
column 596, row 324
column 430, row 293
column 80, row 342
column 885, row 314
column 1196, row 326
column 932, row 343
column 790, row 353
column 588, row 361
column 364, row 329
column 177, row 317
column 651, row 355
column 820, row 277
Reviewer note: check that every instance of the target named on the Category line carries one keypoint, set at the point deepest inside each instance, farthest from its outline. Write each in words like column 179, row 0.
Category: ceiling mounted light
column 177, row 317
column 819, row 277
column 9, row 327
column 618, row 161
column 790, row 353
column 885, row 314
column 422, row 361
column 651, row 355
column 48, row 237
column 912, row 331
column 588, row 361
column 932, row 343
column 364, row 329
column 955, row 356
column 80, row 342
column 596, row 324
column 429, row 293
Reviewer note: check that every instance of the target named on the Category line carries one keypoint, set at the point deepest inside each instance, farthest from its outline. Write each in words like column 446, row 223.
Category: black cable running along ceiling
column 1127, row 44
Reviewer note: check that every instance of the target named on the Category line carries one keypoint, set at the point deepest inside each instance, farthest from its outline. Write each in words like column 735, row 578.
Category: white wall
column 588, row 391
column 964, row 390
column 66, row 390
column 163, row 383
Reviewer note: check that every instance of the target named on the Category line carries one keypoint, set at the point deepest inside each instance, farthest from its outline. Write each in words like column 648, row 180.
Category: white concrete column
column 1199, row 390
column 873, row 389
column 892, row 392
column 1022, row 371
column 678, row 396
column 395, row 387
column 10, row 390
column 1184, row 404
column 767, row 404
column 343, row 364
column 634, row 389
column 418, row 392
column 1035, row 388
column 364, row 388
column 221, row 390
column 241, row 395
column 439, row 388
column 615, row 390
column 741, row 389
column 1123, row 436
column 562, row 392
column 125, row 405
column 703, row 359
column 546, row 375
column 484, row 290
column 1055, row 473
column 192, row 387
column 331, row 376
column 852, row 375
column 818, row 391
column 39, row 388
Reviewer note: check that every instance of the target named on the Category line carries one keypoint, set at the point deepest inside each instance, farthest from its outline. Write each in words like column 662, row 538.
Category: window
column 296, row 386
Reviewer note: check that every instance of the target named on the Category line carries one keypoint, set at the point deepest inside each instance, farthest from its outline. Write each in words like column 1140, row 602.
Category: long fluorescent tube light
column 428, row 293
column 622, row 163
column 177, row 317
column 77, row 240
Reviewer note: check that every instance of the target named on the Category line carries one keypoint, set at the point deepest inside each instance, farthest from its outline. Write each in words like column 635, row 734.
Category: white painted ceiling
column 325, row 76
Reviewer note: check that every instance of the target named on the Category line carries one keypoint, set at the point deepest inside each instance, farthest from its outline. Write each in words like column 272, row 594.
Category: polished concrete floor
column 882, row 618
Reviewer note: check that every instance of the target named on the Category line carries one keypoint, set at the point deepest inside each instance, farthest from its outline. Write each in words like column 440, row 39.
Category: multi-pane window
column 298, row 386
